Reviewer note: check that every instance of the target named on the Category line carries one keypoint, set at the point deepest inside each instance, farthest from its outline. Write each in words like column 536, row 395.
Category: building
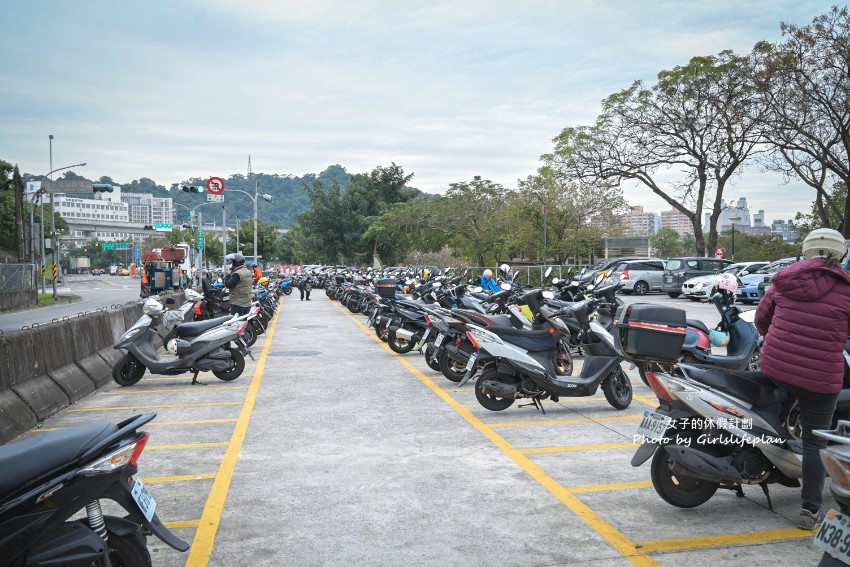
column 678, row 221
column 785, row 229
column 642, row 223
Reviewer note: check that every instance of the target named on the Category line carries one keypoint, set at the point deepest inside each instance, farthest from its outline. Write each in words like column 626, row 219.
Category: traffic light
column 192, row 189
column 148, row 227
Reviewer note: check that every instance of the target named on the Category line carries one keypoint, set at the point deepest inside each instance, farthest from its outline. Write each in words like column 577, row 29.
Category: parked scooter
column 53, row 477
column 738, row 335
column 524, row 364
column 833, row 536
column 213, row 345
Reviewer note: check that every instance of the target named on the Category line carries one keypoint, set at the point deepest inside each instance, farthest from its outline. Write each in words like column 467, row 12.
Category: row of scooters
column 53, row 483
column 720, row 424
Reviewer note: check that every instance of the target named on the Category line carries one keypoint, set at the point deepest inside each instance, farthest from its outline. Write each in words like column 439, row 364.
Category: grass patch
column 45, row 299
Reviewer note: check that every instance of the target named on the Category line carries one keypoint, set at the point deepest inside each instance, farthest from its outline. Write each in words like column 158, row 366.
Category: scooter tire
column 128, row 370
column 249, row 335
column 451, row 369
column 129, row 550
column 400, row 346
column 618, row 389
column 237, row 366
column 287, row 290
column 487, row 401
column 429, row 354
column 679, row 490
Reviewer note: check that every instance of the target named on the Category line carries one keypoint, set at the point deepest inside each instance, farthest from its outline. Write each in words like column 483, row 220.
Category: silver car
column 640, row 276
column 702, row 287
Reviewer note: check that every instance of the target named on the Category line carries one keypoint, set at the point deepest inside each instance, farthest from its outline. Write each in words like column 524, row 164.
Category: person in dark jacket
column 304, row 286
column 805, row 320
column 239, row 283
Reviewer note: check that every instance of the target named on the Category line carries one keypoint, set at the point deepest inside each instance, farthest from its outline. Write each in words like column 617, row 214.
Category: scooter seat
column 532, row 341
column 754, row 387
column 698, row 324
column 486, row 320
column 195, row 328
column 43, row 452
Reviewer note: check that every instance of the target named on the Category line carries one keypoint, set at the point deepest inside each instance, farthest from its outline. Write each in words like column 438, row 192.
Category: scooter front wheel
column 618, row 389
column 234, row 369
column 128, row 370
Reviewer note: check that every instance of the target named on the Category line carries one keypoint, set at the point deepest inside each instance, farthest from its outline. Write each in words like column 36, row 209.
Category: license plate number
column 834, row 536
column 471, row 363
column 653, row 426
column 439, row 340
column 144, row 499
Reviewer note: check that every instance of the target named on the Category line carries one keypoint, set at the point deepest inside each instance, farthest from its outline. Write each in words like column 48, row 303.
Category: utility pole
column 224, row 236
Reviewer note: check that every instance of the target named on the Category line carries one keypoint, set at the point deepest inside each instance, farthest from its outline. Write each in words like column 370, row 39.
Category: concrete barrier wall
column 17, row 299
column 46, row 368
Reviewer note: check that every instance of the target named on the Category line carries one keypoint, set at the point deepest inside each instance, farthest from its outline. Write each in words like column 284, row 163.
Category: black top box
column 386, row 287
column 650, row 332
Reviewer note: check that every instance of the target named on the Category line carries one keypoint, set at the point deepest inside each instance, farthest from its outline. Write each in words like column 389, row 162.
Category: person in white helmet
column 805, row 319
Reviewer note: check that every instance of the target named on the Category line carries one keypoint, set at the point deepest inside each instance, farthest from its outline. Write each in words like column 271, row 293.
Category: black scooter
column 52, row 477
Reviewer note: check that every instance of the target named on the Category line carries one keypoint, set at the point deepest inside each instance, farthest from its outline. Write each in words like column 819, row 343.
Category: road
column 95, row 292
column 333, row 450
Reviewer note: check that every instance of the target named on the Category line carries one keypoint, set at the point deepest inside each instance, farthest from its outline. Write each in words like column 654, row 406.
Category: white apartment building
column 677, row 221
column 642, row 223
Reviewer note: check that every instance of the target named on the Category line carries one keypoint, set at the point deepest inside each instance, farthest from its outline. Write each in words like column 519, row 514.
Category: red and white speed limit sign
column 215, row 185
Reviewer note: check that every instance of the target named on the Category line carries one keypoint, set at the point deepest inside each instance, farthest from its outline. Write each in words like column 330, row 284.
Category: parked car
column 640, row 276
column 702, row 287
column 123, row 272
column 678, row 270
column 753, row 286
column 590, row 274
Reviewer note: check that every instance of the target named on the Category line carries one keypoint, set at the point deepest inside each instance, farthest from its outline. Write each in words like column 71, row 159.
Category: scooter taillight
column 658, row 387
column 140, row 446
column 428, row 319
column 473, row 341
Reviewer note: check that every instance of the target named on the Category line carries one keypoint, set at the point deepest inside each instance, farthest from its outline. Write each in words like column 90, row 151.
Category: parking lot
column 333, row 450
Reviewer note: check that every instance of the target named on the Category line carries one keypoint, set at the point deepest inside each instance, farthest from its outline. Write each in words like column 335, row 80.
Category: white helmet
column 505, row 270
column 727, row 282
column 152, row 307
column 824, row 243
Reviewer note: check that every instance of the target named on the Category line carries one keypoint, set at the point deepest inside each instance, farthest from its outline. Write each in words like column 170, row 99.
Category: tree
column 804, row 86
column 472, row 213
column 667, row 242
column 697, row 124
column 575, row 216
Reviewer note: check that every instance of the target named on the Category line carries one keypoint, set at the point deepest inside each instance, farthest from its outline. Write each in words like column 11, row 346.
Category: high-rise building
column 642, row 223
column 677, row 221
column 785, row 229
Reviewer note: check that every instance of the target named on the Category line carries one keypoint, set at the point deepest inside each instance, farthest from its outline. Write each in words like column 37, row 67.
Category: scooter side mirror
column 170, row 301
column 548, row 294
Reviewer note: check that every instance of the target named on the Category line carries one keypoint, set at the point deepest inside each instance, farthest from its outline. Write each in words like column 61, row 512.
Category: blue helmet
column 718, row 338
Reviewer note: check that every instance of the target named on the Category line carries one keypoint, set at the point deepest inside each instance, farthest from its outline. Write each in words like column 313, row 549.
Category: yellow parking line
column 188, row 446
column 180, row 478
column 573, row 448
column 620, row 542
column 610, row 486
column 561, row 421
column 181, row 524
column 724, row 540
column 190, row 422
column 172, row 390
column 649, row 400
column 202, row 546
column 156, row 406
column 184, row 377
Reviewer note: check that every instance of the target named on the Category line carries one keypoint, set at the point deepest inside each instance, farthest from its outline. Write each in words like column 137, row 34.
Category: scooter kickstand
column 767, row 495
column 195, row 379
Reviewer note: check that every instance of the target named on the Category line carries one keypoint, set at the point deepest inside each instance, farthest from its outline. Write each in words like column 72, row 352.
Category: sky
column 448, row 90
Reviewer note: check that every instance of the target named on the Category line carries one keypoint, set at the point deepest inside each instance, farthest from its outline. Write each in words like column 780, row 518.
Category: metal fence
column 531, row 275
column 16, row 277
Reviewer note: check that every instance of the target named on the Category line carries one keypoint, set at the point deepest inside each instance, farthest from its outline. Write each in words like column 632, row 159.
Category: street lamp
column 38, row 194
column 267, row 198
column 732, row 221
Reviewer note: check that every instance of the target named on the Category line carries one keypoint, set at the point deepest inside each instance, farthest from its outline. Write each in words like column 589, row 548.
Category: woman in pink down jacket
column 805, row 319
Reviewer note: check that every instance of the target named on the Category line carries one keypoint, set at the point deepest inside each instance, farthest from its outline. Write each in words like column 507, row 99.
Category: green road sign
column 200, row 240
column 116, row 245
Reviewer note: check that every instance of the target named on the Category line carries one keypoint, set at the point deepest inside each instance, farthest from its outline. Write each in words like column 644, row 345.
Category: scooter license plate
column 471, row 363
column 144, row 499
column 439, row 340
column 653, row 426
column 834, row 536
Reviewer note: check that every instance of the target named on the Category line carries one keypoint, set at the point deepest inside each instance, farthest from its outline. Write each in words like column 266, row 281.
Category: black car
column 677, row 270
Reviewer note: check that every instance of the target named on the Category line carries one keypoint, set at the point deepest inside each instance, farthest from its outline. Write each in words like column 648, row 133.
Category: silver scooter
column 213, row 345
